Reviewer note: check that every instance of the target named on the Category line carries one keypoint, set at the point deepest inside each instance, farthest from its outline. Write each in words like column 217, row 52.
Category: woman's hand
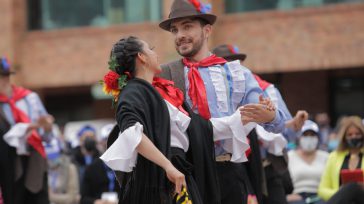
column 175, row 177
column 147, row 149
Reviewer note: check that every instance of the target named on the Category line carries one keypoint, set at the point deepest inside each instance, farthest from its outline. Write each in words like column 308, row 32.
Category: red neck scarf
column 262, row 83
column 169, row 92
column 19, row 116
column 197, row 90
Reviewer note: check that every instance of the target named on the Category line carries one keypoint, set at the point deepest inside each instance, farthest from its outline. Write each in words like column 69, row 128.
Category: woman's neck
column 146, row 75
column 355, row 151
column 307, row 154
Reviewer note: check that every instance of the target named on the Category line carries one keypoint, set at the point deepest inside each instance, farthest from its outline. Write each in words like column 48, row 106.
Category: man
column 276, row 176
column 215, row 88
column 27, row 124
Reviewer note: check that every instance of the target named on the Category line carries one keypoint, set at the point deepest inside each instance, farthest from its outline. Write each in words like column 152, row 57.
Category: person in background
column 306, row 165
column 333, row 140
column 62, row 175
column 276, row 179
column 99, row 185
column 104, row 134
column 23, row 167
column 348, row 156
column 87, row 150
column 323, row 121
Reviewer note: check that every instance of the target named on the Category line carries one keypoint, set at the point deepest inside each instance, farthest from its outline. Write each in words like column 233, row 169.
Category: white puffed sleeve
column 17, row 137
column 275, row 143
column 234, row 134
column 179, row 123
column 122, row 154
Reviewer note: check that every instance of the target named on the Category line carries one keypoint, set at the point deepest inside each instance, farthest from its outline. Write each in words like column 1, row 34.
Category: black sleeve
column 131, row 108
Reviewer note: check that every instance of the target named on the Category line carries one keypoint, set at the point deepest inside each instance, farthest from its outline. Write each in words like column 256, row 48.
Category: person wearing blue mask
column 306, row 165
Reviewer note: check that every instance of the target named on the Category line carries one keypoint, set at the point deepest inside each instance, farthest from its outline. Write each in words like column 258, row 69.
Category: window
column 348, row 96
column 51, row 14
column 233, row 6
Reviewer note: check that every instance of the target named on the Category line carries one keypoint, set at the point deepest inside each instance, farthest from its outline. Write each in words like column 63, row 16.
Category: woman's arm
column 326, row 189
column 147, row 149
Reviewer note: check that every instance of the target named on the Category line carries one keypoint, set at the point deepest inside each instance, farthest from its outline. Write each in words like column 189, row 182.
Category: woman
column 143, row 119
column 167, row 133
column 348, row 156
column 306, row 165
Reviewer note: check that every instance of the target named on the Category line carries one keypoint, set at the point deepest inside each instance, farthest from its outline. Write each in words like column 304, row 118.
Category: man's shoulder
column 172, row 64
column 168, row 67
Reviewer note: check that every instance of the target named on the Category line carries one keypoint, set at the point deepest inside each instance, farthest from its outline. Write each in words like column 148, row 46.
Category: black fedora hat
column 187, row 8
column 229, row 52
column 5, row 67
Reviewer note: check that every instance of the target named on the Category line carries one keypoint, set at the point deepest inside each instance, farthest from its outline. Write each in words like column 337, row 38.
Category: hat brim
column 166, row 24
column 241, row 57
column 7, row 73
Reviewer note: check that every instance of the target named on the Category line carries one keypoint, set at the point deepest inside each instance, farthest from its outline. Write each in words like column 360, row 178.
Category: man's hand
column 267, row 102
column 257, row 113
column 46, row 122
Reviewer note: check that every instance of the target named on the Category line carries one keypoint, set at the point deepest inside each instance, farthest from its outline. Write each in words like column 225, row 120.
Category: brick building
column 312, row 49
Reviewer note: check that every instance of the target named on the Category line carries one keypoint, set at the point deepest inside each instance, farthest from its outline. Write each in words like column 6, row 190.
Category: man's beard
column 196, row 47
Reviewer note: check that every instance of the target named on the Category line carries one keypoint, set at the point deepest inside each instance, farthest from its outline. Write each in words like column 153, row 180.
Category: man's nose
column 180, row 35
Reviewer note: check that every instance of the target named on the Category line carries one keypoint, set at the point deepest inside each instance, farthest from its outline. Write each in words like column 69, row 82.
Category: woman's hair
column 346, row 123
column 126, row 51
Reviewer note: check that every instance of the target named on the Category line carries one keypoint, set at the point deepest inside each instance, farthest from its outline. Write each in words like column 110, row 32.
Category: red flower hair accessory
column 113, row 82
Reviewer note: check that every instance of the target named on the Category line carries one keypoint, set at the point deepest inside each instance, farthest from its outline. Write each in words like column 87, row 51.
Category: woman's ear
column 141, row 57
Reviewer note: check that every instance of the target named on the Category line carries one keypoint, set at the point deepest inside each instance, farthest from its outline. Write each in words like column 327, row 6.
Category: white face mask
column 308, row 143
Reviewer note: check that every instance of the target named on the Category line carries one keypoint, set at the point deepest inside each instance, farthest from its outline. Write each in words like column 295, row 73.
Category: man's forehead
column 183, row 21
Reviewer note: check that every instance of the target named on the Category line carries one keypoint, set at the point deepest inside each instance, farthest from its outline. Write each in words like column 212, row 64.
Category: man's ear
column 207, row 30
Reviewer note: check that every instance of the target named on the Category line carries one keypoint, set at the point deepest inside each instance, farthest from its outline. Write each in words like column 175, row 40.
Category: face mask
column 332, row 145
column 308, row 143
column 90, row 144
column 355, row 142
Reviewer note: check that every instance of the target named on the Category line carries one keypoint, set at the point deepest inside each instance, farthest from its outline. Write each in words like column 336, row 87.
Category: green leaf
column 122, row 81
column 113, row 63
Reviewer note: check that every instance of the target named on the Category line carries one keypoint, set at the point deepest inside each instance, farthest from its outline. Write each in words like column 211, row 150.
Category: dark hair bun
column 125, row 51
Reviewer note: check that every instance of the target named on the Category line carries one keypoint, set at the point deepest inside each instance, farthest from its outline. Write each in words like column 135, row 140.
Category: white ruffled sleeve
column 234, row 134
column 122, row 154
column 17, row 137
column 275, row 143
column 179, row 123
